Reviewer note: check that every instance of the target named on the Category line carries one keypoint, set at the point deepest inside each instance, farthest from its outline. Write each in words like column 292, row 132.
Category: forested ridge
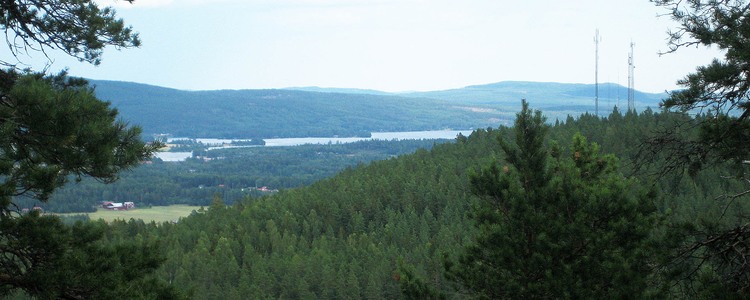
column 283, row 113
column 360, row 233
column 316, row 112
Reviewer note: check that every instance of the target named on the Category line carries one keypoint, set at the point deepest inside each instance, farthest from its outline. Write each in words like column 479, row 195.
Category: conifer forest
column 652, row 202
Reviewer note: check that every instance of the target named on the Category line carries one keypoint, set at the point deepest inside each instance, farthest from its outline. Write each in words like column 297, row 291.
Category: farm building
column 118, row 205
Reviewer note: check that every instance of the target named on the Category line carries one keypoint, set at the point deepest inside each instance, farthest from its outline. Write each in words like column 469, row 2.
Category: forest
column 233, row 173
column 635, row 204
column 363, row 232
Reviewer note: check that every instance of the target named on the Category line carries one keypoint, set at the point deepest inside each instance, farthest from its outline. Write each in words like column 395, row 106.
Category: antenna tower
column 631, row 79
column 597, row 39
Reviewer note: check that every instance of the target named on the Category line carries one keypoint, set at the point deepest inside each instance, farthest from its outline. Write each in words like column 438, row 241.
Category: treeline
column 233, row 173
column 354, row 235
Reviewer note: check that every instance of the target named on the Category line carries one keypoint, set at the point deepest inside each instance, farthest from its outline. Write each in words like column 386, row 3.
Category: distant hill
column 556, row 100
column 339, row 90
column 543, row 91
column 315, row 111
column 281, row 113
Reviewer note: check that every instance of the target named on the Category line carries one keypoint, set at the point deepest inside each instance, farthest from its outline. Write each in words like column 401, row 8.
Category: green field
column 158, row 214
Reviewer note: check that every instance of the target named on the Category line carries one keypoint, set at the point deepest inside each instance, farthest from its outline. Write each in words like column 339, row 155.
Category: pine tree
column 553, row 226
column 717, row 253
column 52, row 129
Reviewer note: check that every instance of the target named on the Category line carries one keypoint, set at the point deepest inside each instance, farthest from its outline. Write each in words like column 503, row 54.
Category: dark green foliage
column 699, row 207
column 527, row 155
column 52, row 128
column 47, row 259
column 552, row 226
column 377, row 228
column 338, row 238
column 365, row 231
column 413, row 287
column 239, row 171
column 714, row 257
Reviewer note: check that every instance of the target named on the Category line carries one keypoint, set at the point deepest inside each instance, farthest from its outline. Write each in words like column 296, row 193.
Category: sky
column 388, row 45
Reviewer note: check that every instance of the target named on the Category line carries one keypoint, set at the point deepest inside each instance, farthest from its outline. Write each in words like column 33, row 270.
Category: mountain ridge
column 279, row 112
column 326, row 112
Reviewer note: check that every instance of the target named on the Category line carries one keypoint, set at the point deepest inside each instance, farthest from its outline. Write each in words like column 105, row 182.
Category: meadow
column 158, row 214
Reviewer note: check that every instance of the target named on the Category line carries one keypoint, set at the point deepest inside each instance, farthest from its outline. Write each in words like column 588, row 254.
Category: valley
column 364, row 230
column 210, row 144
column 112, row 189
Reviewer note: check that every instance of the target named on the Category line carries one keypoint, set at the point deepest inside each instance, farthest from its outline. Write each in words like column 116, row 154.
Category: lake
column 173, row 156
column 286, row 142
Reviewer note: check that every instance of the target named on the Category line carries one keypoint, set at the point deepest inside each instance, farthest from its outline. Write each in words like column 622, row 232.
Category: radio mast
column 597, row 39
column 631, row 79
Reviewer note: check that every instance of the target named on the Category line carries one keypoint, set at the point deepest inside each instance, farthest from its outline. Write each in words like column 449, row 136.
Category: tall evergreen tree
column 556, row 227
column 53, row 128
column 718, row 251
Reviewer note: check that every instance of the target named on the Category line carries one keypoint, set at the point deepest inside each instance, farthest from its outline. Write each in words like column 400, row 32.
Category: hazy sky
column 391, row 45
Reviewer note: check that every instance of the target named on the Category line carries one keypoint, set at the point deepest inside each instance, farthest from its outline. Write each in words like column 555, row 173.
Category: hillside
column 233, row 172
column 280, row 113
column 327, row 112
column 545, row 95
column 557, row 100
column 346, row 237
